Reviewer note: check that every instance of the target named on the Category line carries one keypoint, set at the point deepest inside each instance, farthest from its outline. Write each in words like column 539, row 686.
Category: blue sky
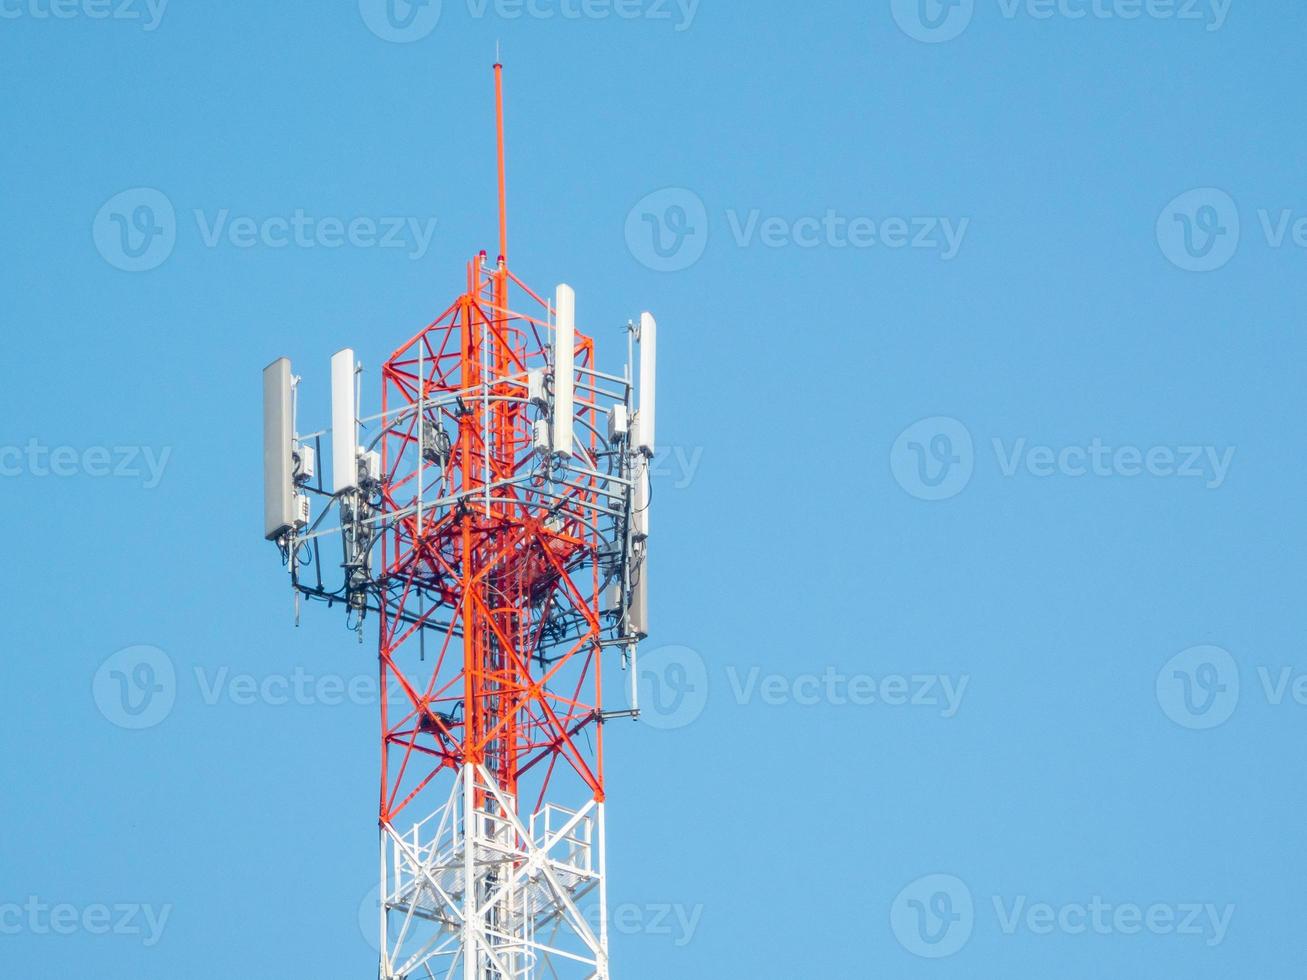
column 978, row 634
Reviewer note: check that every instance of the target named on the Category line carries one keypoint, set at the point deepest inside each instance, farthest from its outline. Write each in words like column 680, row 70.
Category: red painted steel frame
column 502, row 587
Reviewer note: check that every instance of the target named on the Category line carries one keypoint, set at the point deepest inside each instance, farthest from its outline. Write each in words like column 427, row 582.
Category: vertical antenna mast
column 503, row 180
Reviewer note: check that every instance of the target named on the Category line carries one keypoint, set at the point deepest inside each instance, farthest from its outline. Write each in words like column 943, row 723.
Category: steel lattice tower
column 495, row 520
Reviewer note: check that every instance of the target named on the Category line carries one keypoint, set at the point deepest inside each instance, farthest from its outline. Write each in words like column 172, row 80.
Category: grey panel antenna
column 279, row 510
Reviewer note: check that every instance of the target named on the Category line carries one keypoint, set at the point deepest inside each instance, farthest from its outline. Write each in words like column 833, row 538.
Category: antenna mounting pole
column 503, row 194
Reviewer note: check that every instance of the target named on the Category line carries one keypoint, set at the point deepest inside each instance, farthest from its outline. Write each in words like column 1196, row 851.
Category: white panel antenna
column 564, row 370
column 648, row 378
column 344, row 423
column 278, row 446
column 638, row 622
column 640, row 519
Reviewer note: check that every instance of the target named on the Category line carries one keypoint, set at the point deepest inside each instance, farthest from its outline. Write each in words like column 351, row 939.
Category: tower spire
column 503, row 194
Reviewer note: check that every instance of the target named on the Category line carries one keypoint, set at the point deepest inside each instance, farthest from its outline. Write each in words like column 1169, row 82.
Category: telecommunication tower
column 493, row 520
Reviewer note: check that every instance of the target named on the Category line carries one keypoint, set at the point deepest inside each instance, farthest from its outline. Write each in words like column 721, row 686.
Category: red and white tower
column 494, row 521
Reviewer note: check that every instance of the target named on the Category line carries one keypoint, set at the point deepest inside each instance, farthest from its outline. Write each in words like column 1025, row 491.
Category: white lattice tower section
column 474, row 892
